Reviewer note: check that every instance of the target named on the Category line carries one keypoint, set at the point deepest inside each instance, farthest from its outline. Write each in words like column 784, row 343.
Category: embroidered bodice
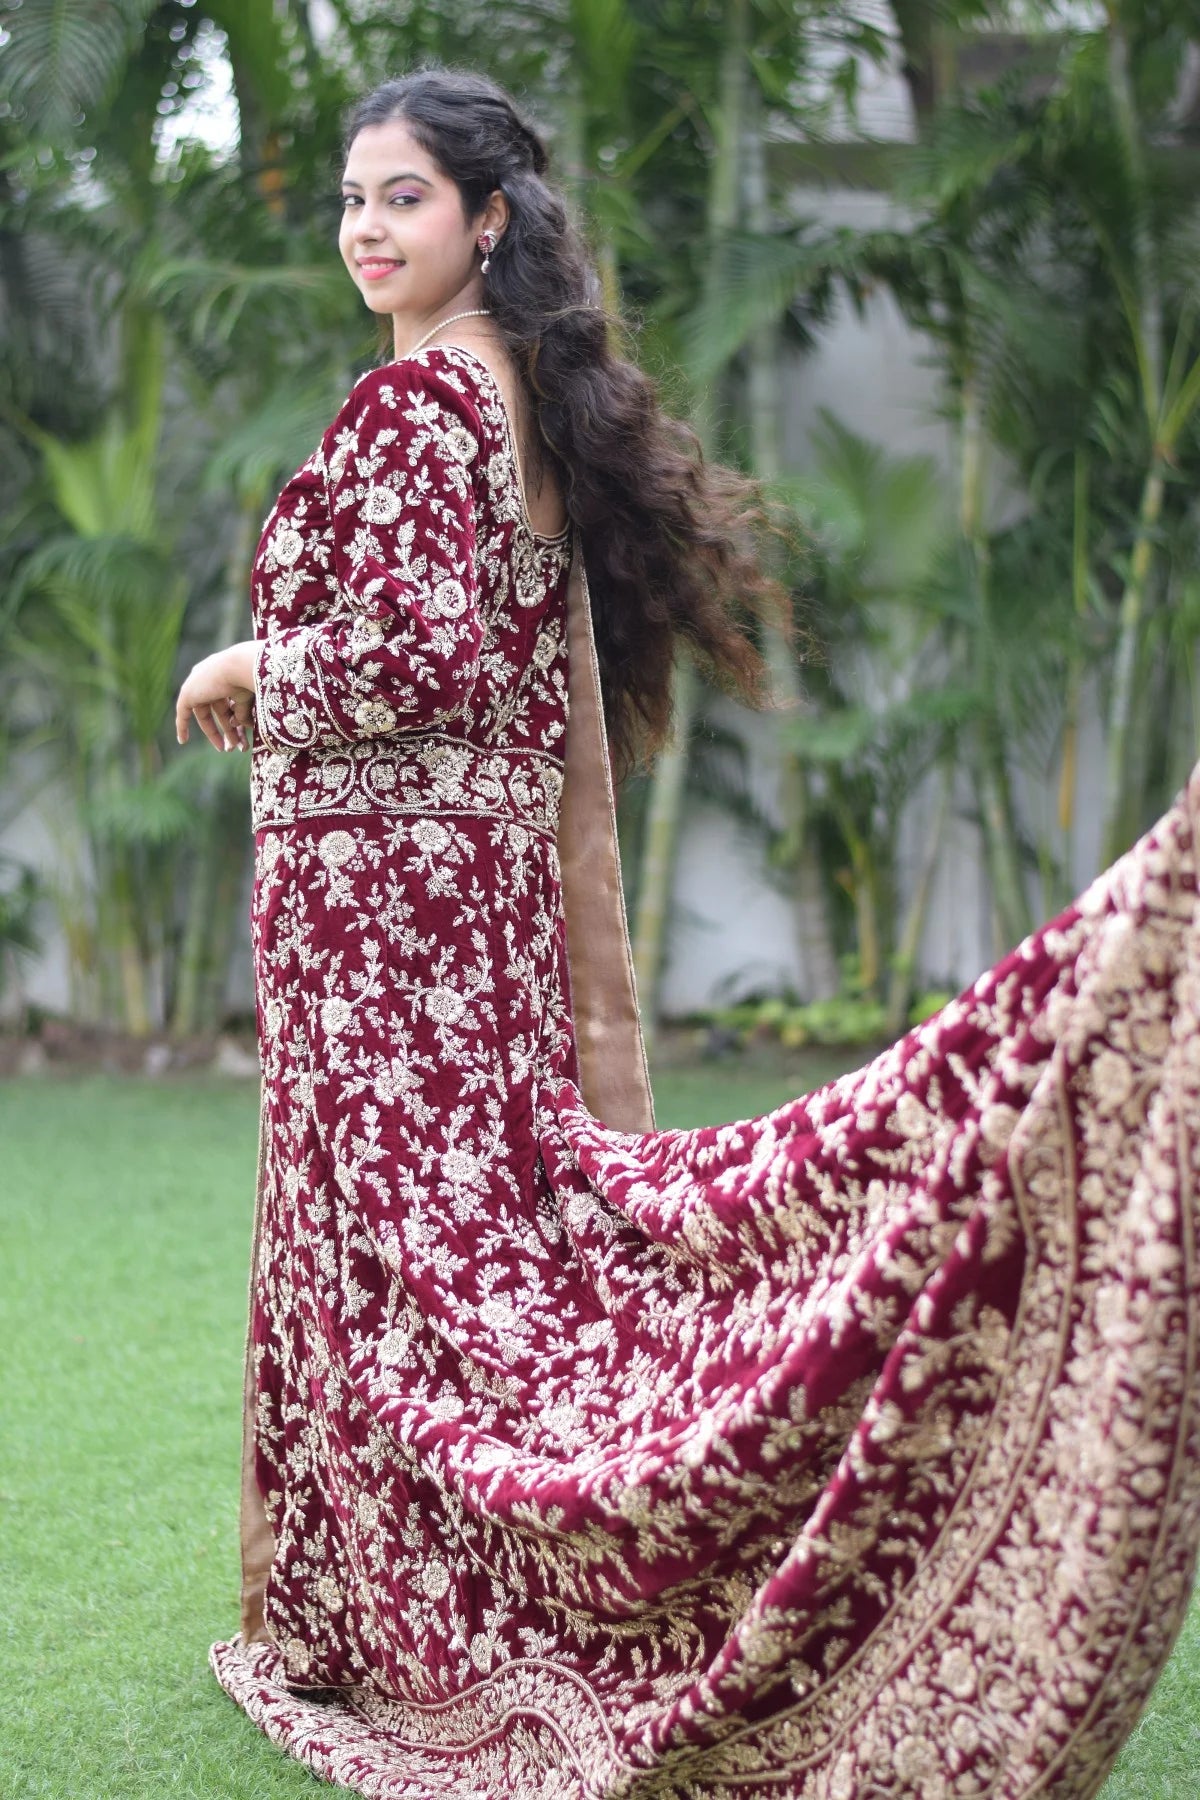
column 412, row 622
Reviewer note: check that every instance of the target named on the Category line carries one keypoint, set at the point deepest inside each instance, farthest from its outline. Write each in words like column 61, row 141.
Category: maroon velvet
column 849, row 1451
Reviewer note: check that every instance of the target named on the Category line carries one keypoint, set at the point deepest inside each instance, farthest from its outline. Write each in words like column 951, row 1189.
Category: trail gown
column 849, row 1451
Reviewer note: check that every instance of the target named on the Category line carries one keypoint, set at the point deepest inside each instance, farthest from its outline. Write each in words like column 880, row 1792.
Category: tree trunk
column 660, row 839
column 901, row 979
column 207, row 936
column 1119, row 823
column 797, row 853
column 1069, row 769
column 669, row 778
column 1145, row 318
column 135, row 1001
column 992, row 781
column 1002, row 845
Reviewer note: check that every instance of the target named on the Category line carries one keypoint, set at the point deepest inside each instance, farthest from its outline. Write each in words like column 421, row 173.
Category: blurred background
column 929, row 269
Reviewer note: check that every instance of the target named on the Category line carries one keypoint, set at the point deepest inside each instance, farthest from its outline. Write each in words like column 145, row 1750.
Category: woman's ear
column 495, row 214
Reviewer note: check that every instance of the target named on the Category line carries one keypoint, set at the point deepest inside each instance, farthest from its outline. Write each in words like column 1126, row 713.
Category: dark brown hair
column 668, row 537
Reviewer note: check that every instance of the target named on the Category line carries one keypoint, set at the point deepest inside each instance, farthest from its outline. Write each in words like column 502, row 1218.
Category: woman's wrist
column 237, row 662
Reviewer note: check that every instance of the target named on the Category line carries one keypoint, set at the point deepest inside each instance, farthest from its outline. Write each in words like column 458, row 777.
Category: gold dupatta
column 613, row 1075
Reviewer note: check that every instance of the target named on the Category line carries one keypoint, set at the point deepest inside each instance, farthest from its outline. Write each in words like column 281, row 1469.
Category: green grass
column 124, row 1237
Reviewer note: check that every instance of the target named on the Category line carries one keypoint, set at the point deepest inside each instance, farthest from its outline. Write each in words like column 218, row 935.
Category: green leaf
column 64, row 58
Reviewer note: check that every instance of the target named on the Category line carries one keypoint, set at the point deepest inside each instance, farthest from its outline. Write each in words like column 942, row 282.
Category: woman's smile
column 373, row 268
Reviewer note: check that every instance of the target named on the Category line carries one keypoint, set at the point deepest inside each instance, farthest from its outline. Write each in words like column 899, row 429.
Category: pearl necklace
column 476, row 312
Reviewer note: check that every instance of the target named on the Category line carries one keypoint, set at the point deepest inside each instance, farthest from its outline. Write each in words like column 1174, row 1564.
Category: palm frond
column 64, row 57
column 842, row 736
column 20, row 892
column 208, row 777
column 880, row 515
column 605, row 35
column 149, row 814
column 104, row 481
column 102, row 568
column 216, row 293
column 755, row 281
column 281, row 431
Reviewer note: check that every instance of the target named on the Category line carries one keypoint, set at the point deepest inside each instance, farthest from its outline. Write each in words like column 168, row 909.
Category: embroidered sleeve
column 400, row 649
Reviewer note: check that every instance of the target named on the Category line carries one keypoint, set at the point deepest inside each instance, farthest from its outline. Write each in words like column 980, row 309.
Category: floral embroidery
column 848, row 1450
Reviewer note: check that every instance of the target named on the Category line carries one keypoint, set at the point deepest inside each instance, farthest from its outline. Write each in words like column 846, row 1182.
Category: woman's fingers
column 226, row 715
column 222, row 712
column 209, row 724
column 223, row 722
column 216, row 722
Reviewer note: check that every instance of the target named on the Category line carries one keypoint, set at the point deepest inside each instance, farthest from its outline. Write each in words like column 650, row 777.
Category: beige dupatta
column 608, row 1030
column 613, row 1075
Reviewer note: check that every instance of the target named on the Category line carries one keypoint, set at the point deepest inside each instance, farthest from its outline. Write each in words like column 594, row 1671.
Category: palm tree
column 105, row 649
column 1145, row 222
column 1103, row 428
column 747, row 69
column 893, row 708
column 664, row 806
column 796, row 850
column 1018, row 260
column 117, row 560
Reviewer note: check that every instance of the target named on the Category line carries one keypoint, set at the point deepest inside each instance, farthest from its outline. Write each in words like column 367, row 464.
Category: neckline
column 541, row 537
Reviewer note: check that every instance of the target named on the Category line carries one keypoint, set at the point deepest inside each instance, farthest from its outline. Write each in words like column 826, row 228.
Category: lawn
column 124, row 1238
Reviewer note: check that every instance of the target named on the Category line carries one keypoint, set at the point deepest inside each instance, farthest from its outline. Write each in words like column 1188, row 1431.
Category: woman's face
column 403, row 236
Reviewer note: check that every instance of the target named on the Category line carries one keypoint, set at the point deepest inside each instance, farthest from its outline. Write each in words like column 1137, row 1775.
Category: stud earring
column 487, row 243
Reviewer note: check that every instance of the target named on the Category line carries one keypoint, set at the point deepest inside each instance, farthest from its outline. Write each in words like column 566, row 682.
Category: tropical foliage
column 1044, row 245
column 176, row 332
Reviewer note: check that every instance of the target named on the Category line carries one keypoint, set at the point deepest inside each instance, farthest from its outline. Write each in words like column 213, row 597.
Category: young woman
column 849, row 1451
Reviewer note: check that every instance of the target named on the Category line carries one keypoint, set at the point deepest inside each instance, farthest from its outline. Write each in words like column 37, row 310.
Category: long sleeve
column 400, row 649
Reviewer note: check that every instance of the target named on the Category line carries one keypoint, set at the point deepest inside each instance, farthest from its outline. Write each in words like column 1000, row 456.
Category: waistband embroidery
column 428, row 773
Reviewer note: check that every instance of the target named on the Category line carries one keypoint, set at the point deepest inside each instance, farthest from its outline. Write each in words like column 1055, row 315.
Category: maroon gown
column 850, row 1451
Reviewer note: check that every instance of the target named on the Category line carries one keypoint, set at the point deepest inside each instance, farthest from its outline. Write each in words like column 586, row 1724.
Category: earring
column 487, row 243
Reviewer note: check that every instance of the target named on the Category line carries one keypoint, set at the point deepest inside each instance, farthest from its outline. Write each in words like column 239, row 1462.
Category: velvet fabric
column 848, row 1451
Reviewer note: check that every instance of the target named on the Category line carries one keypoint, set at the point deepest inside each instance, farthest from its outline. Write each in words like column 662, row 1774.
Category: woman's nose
column 366, row 222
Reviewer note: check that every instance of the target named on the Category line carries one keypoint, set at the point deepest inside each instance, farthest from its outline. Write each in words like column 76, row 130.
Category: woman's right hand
column 220, row 692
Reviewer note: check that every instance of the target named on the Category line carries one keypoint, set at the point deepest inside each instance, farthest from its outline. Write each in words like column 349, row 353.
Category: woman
column 849, row 1451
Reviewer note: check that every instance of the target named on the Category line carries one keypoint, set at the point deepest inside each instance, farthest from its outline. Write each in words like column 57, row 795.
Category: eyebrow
column 408, row 175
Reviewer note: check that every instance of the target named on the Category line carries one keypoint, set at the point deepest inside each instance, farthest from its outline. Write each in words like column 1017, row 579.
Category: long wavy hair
column 670, row 538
